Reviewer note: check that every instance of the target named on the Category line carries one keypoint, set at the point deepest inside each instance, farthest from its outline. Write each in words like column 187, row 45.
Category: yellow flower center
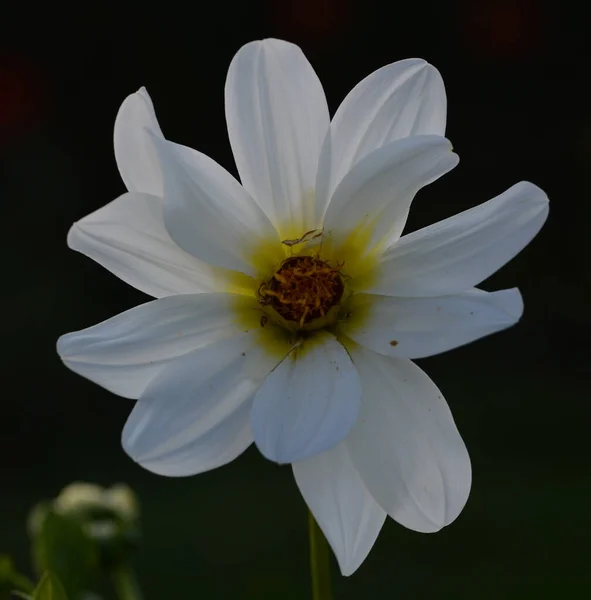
column 304, row 288
column 303, row 284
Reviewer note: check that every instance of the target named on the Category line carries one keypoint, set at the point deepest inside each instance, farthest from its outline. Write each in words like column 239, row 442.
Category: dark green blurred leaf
column 11, row 581
column 62, row 548
column 36, row 517
column 49, row 588
column 17, row 594
column 6, row 565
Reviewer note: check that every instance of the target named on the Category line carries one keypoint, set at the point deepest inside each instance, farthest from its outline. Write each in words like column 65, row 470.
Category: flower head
column 99, row 525
column 85, row 499
column 289, row 306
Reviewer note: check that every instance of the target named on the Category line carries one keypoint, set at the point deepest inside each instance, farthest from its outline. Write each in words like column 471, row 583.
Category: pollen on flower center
column 303, row 289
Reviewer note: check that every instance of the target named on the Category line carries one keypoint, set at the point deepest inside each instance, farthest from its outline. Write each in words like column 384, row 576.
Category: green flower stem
column 319, row 561
column 125, row 583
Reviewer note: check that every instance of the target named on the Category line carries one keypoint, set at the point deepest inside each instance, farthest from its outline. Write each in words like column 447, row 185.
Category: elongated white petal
column 419, row 327
column 337, row 497
column 134, row 148
column 128, row 237
column 460, row 252
column 124, row 353
column 405, row 444
column 194, row 416
column 399, row 100
column 376, row 194
column 309, row 403
column 207, row 212
column 277, row 119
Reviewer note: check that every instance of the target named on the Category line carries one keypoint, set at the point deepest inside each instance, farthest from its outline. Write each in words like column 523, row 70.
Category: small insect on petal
column 309, row 235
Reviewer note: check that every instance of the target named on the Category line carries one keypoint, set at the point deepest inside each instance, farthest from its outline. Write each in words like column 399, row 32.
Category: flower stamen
column 303, row 289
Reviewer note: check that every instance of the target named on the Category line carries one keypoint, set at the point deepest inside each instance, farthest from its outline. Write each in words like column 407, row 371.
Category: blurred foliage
column 61, row 546
column 49, row 588
column 83, row 536
column 11, row 579
column 102, row 522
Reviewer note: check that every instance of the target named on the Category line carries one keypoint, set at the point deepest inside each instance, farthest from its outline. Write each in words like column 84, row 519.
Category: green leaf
column 11, row 581
column 6, row 566
column 49, row 588
column 62, row 548
column 22, row 595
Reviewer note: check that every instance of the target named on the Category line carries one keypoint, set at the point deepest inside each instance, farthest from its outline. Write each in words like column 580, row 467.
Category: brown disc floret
column 303, row 289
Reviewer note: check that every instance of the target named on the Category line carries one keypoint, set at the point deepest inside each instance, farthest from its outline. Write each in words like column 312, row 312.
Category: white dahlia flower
column 288, row 306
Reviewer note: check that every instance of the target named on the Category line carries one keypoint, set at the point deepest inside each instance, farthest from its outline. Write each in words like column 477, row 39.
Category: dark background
column 516, row 74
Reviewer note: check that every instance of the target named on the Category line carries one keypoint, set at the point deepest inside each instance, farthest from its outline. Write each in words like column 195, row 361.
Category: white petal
column 277, row 119
column 376, row 194
column 399, row 100
column 134, row 149
column 207, row 212
column 128, row 237
column 460, row 252
column 405, row 444
column 419, row 327
column 337, row 497
column 309, row 403
column 194, row 416
column 124, row 353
